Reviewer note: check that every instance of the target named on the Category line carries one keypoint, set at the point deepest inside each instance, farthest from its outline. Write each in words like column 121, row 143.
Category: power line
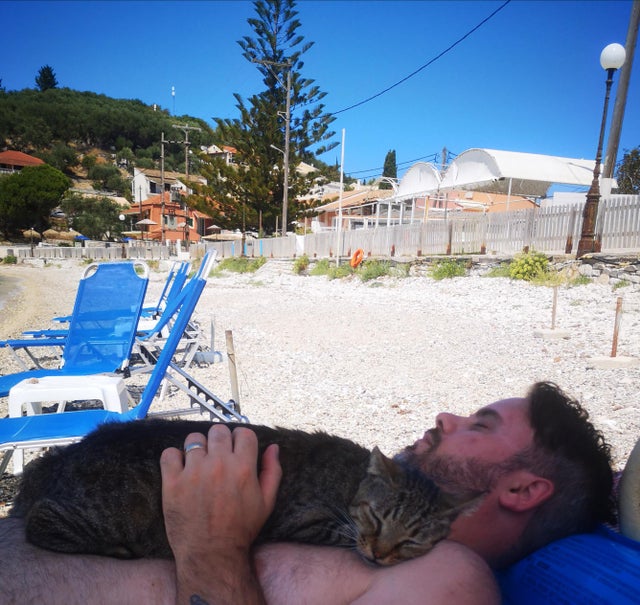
column 444, row 52
column 433, row 156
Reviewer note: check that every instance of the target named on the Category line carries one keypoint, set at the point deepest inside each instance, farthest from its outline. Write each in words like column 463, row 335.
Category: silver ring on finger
column 193, row 446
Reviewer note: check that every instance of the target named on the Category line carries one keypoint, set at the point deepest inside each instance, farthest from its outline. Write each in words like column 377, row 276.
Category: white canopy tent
column 514, row 172
column 420, row 180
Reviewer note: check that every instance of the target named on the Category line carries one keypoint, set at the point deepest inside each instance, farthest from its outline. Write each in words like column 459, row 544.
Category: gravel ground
column 377, row 361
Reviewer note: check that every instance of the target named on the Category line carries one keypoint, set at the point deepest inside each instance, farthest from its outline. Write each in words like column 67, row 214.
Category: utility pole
column 185, row 128
column 287, row 120
column 187, row 143
column 162, row 142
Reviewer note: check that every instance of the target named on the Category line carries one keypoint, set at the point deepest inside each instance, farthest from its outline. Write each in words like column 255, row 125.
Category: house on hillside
column 150, row 219
column 14, row 161
column 147, row 182
column 226, row 153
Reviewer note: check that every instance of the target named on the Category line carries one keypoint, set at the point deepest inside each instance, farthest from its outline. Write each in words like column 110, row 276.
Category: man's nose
column 446, row 422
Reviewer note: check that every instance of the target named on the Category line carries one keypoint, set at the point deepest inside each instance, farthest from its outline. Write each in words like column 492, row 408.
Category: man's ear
column 522, row 491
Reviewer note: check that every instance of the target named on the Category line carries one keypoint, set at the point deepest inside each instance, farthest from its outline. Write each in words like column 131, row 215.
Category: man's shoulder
column 450, row 573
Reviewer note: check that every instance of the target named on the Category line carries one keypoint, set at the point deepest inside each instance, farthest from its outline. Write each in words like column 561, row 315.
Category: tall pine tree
column 46, row 78
column 250, row 194
column 389, row 169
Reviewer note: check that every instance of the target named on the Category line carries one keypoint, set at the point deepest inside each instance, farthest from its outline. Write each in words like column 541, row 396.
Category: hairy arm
column 32, row 575
column 215, row 503
column 450, row 573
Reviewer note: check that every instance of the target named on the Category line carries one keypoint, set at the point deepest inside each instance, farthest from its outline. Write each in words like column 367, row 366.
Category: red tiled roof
column 17, row 158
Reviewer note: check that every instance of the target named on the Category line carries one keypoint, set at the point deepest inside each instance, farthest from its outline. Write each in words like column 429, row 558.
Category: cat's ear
column 381, row 466
column 522, row 491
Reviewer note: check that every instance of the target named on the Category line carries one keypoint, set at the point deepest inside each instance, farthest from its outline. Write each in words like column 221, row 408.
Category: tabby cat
column 102, row 495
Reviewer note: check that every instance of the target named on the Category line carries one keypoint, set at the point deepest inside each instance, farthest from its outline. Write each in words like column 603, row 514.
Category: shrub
column 10, row 259
column 373, row 269
column 502, row 270
column 241, row 264
column 301, row 264
column 340, row 271
column 623, row 283
column 400, row 270
column 581, row 280
column 528, row 266
column 447, row 268
column 320, row 268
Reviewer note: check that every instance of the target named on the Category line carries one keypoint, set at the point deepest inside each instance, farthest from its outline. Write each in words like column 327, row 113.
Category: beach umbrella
column 51, row 234
column 31, row 233
column 68, row 236
column 146, row 221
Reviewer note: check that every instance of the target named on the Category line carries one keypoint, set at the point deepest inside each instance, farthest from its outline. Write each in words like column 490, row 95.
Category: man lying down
column 548, row 473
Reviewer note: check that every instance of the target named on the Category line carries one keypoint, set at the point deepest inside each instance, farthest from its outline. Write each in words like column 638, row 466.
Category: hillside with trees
column 100, row 139
column 60, row 125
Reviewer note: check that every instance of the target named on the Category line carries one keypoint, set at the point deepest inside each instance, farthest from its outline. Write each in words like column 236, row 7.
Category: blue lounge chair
column 102, row 328
column 176, row 279
column 46, row 430
column 174, row 283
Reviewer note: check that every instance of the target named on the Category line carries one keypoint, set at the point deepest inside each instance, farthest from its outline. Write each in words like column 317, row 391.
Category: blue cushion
column 600, row 568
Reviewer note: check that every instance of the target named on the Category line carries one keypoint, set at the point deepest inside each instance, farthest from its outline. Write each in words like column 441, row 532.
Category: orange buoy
column 357, row 257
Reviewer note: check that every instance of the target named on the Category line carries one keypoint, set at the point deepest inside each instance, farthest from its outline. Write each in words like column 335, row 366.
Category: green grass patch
column 447, row 268
column 549, row 278
column 581, row 280
column 241, row 264
column 372, row 269
column 320, row 268
column 502, row 270
column 301, row 264
column 623, row 283
column 340, row 271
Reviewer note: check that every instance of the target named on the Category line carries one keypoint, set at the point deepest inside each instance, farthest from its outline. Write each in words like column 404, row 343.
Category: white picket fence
column 553, row 229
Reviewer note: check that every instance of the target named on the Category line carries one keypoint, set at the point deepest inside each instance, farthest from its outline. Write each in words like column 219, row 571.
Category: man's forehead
column 514, row 410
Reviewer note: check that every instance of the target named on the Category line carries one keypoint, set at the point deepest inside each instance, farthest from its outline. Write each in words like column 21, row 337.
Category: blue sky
column 528, row 80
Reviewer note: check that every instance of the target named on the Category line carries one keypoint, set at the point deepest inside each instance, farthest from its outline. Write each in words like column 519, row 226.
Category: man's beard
column 450, row 473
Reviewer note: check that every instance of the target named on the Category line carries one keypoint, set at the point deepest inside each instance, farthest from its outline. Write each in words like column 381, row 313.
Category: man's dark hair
column 568, row 450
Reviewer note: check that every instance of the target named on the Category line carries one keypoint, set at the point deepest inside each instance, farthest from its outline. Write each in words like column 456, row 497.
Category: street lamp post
column 611, row 59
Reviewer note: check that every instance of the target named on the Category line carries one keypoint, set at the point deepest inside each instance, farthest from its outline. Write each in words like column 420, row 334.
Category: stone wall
column 604, row 268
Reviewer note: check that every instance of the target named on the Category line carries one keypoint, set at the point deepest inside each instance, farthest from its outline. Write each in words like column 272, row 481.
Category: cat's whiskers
column 345, row 526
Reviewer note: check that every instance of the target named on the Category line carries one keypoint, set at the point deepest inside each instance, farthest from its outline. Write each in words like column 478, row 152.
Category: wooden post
column 233, row 374
column 616, row 326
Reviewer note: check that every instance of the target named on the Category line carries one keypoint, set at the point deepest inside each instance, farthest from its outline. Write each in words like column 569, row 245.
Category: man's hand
column 215, row 504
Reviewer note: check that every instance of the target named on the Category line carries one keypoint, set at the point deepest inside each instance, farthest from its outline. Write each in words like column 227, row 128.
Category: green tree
column 95, row 217
column 46, row 78
column 61, row 157
column 389, row 169
column 250, row 194
column 109, row 178
column 28, row 197
column 628, row 172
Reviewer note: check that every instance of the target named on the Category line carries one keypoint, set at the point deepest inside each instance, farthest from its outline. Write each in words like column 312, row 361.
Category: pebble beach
column 376, row 361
